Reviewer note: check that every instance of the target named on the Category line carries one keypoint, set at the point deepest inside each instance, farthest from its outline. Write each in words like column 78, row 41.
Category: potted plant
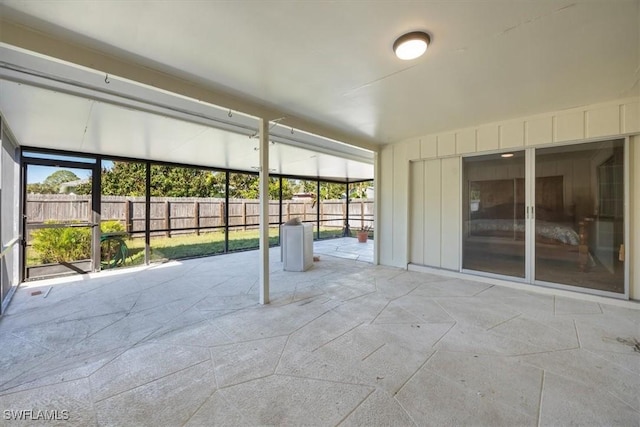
column 363, row 233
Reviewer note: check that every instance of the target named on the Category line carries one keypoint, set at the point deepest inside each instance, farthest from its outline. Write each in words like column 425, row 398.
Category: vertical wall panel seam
column 441, row 227
column 424, row 211
column 460, row 219
column 393, row 198
column 411, row 214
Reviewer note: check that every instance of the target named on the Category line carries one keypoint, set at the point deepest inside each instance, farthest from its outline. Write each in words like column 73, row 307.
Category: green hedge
column 66, row 244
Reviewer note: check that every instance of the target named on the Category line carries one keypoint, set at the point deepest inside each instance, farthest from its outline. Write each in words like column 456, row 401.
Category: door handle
column 530, row 212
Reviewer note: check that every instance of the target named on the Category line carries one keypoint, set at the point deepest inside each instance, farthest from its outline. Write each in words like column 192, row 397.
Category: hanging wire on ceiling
column 106, row 79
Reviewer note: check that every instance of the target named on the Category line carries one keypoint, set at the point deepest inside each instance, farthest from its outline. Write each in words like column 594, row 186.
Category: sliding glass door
column 493, row 212
column 551, row 216
column 579, row 215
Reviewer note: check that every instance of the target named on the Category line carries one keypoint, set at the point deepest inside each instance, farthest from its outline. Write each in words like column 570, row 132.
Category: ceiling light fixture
column 506, row 155
column 411, row 45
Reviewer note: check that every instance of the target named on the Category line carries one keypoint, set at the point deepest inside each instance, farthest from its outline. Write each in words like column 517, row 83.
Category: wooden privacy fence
column 172, row 215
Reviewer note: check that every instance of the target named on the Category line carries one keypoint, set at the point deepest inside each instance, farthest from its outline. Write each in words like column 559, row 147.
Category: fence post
column 196, row 216
column 361, row 214
column 167, row 217
column 221, row 221
column 128, row 217
column 288, row 210
column 244, row 215
column 304, row 211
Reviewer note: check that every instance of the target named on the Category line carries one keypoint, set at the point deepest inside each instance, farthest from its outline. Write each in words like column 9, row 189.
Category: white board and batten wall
column 420, row 179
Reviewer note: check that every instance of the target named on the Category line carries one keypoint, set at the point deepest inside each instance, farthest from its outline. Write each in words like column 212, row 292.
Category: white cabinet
column 297, row 246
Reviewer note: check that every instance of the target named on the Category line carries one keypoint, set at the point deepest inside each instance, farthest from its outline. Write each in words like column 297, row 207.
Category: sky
column 37, row 173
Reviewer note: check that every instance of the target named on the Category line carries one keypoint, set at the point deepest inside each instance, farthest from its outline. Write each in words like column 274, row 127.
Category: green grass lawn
column 192, row 245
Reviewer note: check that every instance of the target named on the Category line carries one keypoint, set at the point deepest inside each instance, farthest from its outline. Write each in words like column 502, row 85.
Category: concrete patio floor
column 345, row 343
column 345, row 247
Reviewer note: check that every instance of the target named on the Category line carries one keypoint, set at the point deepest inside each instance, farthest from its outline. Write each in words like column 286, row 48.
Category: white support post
column 264, row 211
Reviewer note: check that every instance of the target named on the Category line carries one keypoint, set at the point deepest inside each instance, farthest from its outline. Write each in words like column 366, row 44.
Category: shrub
column 113, row 226
column 62, row 244
column 66, row 244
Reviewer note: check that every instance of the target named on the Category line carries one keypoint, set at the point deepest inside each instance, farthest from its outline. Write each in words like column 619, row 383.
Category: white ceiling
column 52, row 119
column 330, row 62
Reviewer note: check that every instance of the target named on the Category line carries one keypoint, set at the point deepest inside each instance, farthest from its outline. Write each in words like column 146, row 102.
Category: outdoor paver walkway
column 349, row 343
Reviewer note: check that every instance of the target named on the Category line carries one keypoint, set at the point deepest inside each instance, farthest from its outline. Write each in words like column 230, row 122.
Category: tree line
column 129, row 178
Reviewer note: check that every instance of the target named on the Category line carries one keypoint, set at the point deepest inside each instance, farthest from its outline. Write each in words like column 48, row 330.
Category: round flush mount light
column 411, row 45
column 506, row 155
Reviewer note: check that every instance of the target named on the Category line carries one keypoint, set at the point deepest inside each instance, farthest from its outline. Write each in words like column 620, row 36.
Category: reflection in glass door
column 579, row 215
column 493, row 214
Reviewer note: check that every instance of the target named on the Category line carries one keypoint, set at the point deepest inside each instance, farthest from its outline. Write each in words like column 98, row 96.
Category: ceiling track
column 23, row 75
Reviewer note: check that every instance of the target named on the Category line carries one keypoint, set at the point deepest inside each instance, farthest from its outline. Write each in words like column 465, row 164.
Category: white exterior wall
column 385, row 221
column 9, row 220
column 420, row 179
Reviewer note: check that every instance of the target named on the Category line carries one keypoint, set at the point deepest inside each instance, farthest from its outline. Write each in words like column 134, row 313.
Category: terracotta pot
column 363, row 236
